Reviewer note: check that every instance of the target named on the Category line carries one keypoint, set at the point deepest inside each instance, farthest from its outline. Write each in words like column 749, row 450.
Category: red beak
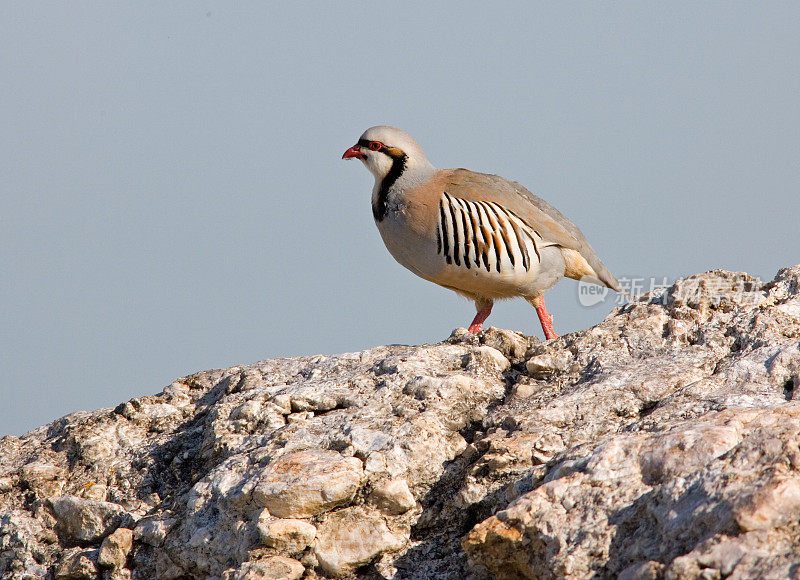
column 354, row 151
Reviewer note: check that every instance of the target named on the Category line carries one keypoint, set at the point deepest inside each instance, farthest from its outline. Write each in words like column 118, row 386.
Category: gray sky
column 172, row 196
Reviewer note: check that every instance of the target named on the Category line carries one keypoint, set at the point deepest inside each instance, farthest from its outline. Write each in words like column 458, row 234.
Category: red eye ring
column 375, row 145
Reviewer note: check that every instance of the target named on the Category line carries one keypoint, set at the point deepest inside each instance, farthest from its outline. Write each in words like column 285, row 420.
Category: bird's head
column 380, row 147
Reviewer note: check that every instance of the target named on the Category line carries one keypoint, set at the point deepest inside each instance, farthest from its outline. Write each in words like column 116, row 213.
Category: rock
column 649, row 570
column 97, row 491
column 151, row 531
column 488, row 358
column 512, row 345
column 770, row 505
column 307, row 483
column 44, row 479
column 351, row 537
column 115, row 548
column 86, row 520
column 77, row 564
column 26, row 543
column 393, row 497
column 270, row 568
column 286, row 535
column 662, row 443
column 546, row 364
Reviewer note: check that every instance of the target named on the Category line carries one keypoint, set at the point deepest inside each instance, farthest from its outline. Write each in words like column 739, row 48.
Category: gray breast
column 415, row 252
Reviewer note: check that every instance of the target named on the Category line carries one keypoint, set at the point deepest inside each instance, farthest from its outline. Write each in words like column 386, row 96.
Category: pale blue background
column 173, row 197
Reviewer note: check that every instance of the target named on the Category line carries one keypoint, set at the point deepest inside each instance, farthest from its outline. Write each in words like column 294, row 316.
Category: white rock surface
column 270, row 568
column 351, row 537
column 306, row 483
column 86, row 520
column 662, row 443
column 286, row 535
column 393, row 497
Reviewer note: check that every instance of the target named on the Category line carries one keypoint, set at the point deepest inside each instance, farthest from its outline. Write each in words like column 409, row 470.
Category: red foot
column 477, row 322
column 545, row 318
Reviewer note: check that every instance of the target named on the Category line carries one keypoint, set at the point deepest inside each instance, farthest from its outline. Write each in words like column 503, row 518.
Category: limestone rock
column 393, row 497
column 270, row 568
column 771, row 504
column 662, row 443
column 77, row 564
column 488, row 358
column 286, row 535
column 307, row 483
column 117, row 574
column 512, row 345
column 351, row 537
column 42, row 478
column 115, row 548
column 86, row 520
column 151, row 531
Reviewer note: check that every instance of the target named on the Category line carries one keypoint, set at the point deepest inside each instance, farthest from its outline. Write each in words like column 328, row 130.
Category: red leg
column 477, row 322
column 544, row 317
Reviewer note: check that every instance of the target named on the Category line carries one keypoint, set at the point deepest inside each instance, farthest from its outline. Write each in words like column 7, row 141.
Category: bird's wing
column 554, row 228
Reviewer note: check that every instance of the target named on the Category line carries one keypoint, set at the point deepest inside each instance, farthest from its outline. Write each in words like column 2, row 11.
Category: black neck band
column 379, row 208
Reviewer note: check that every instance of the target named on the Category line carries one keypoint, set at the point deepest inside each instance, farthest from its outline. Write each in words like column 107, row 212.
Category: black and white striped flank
column 484, row 235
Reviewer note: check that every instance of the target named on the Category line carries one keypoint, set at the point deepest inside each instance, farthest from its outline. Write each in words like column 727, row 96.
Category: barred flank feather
column 479, row 232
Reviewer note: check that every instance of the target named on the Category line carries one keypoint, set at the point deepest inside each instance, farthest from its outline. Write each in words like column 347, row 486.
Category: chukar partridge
column 480, row 235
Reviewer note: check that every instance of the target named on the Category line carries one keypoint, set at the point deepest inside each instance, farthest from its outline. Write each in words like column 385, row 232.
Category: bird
column 480, row 235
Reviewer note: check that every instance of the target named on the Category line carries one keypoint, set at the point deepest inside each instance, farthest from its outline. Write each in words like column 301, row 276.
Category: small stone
column 247, row 411
column 524, row 390
column 544, row 365
column 650, row 570
column 726, row 555
column 286, row 535
column 98, row 449
column 352, row 537
column 271, row 568
column 309, row 559
column 388, row 366
column 115, row 548
column 44, row 479
column 76, row 564
column 511, row 344
column 423, row 387
column 462, row 335
column 300, row 417
column 283, row 402
column 96, row 491
column 771, row 506
column 151, row 532
column 87, row 520
column 489, row 359
column 375, row 463
column 314, row 401
column 393, row 497
column 6, row 484
column 116, row 574
column 307, row 483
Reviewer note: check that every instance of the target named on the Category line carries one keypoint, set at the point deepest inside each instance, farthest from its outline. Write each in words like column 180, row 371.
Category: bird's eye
column 375, row 145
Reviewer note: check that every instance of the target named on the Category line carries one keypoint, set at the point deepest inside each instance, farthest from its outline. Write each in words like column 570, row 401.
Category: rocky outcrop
column 662, row 443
